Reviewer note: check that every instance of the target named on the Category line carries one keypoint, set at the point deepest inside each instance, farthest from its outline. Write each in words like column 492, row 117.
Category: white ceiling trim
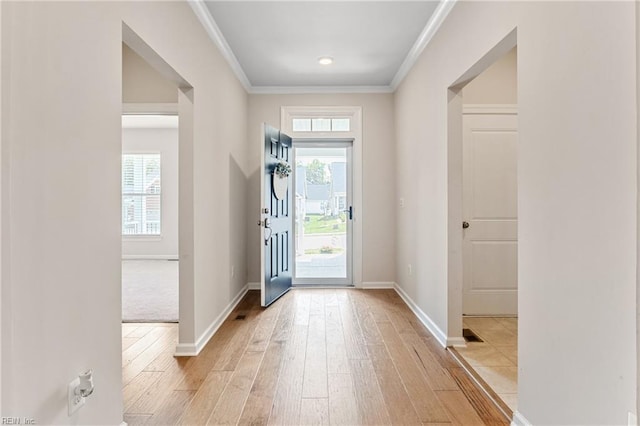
column 210, row 26
column 285, row 90
column 434, row 23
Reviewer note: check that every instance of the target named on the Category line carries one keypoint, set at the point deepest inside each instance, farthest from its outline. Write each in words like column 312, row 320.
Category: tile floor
column 495, row 359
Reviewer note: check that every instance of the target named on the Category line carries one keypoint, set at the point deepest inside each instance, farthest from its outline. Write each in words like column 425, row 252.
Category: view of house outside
column 321, row 222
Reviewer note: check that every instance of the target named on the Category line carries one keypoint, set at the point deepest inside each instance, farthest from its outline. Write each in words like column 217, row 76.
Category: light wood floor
column 341, row 356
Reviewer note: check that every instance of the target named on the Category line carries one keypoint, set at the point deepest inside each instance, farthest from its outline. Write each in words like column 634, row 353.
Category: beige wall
column 378, row 177
column 63, row 91
column 498, row 84
column 577, row 196
column 141, row 83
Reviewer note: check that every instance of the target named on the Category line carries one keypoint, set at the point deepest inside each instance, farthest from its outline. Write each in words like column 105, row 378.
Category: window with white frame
column 321, row 124
column 141, row 194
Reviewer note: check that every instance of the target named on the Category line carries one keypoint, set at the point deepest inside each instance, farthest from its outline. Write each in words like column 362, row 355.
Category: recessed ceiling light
column 325, row 60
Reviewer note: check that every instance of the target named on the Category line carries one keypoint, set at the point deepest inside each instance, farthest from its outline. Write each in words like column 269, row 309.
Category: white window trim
column 132, row 108
column 288, row 113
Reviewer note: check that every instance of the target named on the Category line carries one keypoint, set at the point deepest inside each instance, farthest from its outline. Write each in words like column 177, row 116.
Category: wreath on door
column 281, row 173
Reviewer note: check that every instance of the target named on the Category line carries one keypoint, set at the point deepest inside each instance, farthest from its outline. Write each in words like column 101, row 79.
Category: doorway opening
column 152, row 91
column 323, row 212
column 483, row 222
column 150, row 218
column 329, row 135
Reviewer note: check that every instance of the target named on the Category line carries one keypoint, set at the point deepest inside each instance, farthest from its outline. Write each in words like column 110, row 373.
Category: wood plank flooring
column 317, row 356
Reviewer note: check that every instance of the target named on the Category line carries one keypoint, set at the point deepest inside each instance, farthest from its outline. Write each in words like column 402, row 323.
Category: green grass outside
column 333, row 250
column 318, row 224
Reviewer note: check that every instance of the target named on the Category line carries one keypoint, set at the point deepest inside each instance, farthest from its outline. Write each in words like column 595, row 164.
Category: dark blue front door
column 276, row 219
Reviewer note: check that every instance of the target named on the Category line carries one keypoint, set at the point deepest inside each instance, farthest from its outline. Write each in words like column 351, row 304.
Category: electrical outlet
column 410, row 269
column 75, row 401
column 402, row 203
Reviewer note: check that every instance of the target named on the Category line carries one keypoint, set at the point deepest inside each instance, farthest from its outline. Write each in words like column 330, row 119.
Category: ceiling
column 274, row 46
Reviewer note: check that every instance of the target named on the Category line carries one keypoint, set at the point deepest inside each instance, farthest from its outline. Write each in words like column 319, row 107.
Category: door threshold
column 327, row 286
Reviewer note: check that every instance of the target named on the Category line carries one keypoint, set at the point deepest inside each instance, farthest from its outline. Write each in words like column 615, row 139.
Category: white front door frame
column 354, row 113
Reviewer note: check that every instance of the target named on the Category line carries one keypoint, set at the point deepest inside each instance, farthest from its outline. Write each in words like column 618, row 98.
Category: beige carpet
column 149, row 291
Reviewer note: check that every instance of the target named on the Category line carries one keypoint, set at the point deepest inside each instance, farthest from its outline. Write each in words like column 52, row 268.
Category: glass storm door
column 323, row 213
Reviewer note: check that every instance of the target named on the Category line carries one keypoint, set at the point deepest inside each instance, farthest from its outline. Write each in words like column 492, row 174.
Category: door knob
column 465, row 224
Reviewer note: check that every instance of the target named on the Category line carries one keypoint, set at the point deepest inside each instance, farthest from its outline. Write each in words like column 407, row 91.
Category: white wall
column 498, row 84
column 577, row 195
column 61, row 275
column 165, row 142
column 378, row 217
column 143, row 84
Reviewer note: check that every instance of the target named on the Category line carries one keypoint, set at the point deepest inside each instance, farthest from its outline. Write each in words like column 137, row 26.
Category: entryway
column 332, row 136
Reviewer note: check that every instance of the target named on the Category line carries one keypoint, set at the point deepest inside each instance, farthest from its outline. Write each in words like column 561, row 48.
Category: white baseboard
column 149, row 257
column 189, row 349
column 456, row 342
column 519, row 420
column 378, row 284
column 424, row 318
column 124, row 424
column 253, row 286
column 186, row 349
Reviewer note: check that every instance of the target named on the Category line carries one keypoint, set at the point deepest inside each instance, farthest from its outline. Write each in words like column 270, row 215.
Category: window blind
column 141, row 194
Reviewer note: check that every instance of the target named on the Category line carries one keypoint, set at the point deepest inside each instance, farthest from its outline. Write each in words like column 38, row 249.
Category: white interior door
column 490, row 203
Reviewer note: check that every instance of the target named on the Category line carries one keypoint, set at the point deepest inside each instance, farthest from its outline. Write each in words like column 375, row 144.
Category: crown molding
column 432, row 27
column 204, row 16
column 289, row 90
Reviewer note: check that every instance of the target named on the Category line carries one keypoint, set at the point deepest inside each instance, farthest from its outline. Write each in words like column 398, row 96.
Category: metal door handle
column 465, row 224
column 349, row 212
column 267, row 225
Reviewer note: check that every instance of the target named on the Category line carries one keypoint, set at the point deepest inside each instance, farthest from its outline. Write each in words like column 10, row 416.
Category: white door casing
column 354, row 113
column 490, row 200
